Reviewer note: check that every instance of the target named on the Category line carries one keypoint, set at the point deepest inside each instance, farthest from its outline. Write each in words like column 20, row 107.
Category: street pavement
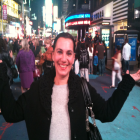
column 125, row 127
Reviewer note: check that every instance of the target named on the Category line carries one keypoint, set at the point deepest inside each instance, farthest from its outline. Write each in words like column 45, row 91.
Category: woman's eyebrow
column 59, row 49
column 62, row 50
column 69, row 51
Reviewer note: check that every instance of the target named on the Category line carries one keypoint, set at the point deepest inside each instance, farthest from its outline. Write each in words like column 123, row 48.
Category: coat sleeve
column 107, row 111
column 12, row 110
column 18, row 61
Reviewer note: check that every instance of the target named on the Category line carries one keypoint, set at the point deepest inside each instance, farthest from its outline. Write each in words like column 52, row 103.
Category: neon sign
column 85, row 22
column 78, row 16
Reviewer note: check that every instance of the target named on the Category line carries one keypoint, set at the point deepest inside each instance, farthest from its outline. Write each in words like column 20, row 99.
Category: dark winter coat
column 5, row 57
column 34, row 106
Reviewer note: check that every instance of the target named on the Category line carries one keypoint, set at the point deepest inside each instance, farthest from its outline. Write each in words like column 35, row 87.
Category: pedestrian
column 86, row 40
column 105, row 54
column 54, row 107
column 7, row 57
column 100, row 50
column 84, row 61
column 126, row 54
column 36, row 48
column 25, row 62
column 116, row 66
column 95, row 64
column 46, row 58
column 90, row 52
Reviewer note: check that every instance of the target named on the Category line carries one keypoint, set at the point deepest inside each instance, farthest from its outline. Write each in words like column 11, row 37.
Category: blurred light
column 77, row 16
column 30, row 23
column 136, row 12
column 48, row 12
column 83, row 22
column 55, row 12
column 105, row 23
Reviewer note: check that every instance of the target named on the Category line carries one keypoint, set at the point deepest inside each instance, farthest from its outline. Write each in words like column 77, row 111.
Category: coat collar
column 46, row 86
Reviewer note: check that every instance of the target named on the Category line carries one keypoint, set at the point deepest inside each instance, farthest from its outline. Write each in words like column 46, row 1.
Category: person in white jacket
column 126, row 54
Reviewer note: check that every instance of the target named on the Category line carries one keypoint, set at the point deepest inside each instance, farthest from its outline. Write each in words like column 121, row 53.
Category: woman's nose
column 64, row 57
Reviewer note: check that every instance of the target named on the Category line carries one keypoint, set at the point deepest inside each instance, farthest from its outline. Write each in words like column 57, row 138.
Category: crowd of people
column 53, row 106
column 34, row 58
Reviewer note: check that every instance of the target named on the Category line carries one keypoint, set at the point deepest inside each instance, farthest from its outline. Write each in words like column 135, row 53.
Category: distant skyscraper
column 64, row 7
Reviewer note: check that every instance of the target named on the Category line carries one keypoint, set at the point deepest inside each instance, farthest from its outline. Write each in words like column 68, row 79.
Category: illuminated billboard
column 48, row 12
column 12, row 8
column 77, row 16
column 83, row 22
column 55, row 13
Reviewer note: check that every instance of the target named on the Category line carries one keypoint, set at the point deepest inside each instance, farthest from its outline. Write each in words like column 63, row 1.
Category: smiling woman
column 54, row 108
column 63, row 58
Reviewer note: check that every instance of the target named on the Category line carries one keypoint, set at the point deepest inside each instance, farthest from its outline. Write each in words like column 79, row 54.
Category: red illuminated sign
column 85, row 22
column 30, row 23
column 5, row 12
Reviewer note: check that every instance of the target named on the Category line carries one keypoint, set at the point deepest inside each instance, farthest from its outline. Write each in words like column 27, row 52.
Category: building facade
column 11, row 21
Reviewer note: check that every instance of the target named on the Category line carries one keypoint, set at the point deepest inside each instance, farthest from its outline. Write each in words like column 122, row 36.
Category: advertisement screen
column 119, row 41
column 133, row 43
column 106, row 36
column 48, row 9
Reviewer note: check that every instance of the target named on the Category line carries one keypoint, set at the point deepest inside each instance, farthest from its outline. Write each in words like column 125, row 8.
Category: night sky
column 36, row 7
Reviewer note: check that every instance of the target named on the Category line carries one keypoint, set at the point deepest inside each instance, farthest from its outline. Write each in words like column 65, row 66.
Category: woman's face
column 47, row 45
column 63, row 56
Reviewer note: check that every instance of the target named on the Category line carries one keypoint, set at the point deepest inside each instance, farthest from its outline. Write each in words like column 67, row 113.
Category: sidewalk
column 109, row 67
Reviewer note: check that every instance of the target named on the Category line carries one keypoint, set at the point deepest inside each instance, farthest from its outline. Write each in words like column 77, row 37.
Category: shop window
column 102, row 13
column 98, row 15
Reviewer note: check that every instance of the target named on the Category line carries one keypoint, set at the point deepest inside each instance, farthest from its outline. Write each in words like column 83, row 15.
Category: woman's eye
column 69, row 53
column 59, row 52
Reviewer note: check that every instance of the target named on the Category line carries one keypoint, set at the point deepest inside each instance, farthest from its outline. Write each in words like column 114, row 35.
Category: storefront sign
column 78, row 16
column 86, row 22
column 133, row 43
column 4, row 12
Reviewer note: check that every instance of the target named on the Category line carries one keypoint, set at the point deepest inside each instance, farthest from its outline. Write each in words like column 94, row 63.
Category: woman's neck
column 61, row 80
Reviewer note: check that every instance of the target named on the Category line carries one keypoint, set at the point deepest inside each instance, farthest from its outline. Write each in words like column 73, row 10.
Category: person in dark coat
column 84, row 66
column 54, row 106
column 36, row 48
column 6, row 57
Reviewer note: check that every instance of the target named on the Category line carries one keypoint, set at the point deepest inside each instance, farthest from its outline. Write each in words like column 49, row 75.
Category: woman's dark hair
column 118, row 47
column 2, row 45
column 64, row 35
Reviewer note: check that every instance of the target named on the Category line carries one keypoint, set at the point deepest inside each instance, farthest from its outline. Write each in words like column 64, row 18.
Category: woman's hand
column 0, row 61
column 136, row 76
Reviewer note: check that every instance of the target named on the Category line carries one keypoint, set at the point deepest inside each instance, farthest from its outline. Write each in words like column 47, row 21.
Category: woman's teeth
column 63, row 66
